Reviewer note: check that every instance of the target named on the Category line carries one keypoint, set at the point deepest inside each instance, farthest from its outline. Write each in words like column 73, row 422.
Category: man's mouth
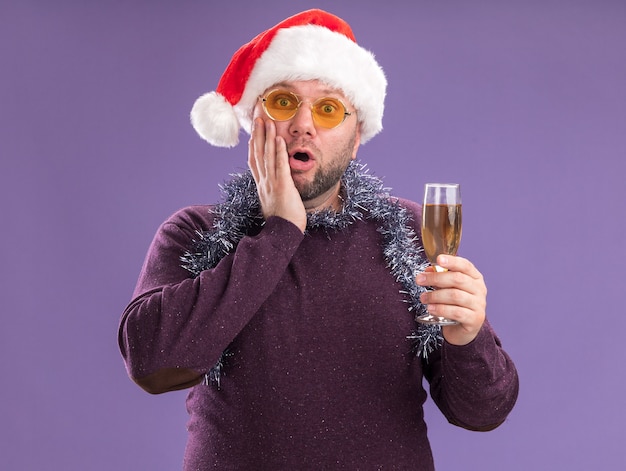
column 301, row 156
column 301, row 161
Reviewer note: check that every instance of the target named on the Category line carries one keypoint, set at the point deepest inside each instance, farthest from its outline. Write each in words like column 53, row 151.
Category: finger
column 447, row 279
column 461, row 273
column 269, row 149
column 252, row 164
column 255, row 149
column 458, row 264
column 467, row 310
column 462, row 315
column 282, row 158
column 421, row 278
column 452, row 297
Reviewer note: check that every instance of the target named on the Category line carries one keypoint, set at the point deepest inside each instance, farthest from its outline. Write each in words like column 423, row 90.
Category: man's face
column 318, row 156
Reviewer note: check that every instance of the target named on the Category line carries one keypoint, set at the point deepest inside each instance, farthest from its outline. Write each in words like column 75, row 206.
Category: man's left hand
column 460, row 295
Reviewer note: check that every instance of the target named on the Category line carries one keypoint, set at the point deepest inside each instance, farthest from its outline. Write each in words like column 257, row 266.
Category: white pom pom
column 214, row 119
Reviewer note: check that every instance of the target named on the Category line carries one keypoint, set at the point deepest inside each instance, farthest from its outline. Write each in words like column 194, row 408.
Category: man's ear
column 357, row 141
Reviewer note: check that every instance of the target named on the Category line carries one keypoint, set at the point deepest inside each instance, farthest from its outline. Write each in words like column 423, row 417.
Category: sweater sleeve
column 476, row 385
column 176, row 327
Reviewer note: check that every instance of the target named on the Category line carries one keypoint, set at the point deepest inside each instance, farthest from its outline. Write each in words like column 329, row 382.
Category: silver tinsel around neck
column 364, row 197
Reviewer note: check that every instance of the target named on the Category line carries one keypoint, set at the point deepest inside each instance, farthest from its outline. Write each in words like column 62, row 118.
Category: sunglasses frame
column 299, row 101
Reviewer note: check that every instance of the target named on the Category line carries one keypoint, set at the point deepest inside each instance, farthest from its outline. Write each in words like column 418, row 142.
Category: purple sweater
column 322, row 375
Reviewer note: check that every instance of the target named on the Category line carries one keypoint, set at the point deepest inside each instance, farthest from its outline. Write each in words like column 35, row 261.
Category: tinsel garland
column 364, row 197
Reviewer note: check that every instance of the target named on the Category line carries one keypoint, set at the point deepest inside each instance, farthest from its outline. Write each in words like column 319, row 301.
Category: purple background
column 523, row 102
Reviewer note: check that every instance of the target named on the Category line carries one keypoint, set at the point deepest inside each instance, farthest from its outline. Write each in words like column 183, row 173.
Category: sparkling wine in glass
column 441, row 229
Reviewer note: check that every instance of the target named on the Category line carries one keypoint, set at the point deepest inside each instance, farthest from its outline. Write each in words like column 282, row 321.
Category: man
column 289, row 308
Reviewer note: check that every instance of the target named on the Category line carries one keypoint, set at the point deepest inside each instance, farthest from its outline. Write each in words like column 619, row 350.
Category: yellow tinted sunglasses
column 282, row 105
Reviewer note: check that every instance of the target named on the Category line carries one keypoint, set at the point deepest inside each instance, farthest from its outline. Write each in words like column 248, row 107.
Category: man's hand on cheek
column 269, row 162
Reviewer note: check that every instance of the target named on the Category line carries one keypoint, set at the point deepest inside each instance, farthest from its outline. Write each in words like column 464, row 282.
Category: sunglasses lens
column 328, row 112
column 281, row 105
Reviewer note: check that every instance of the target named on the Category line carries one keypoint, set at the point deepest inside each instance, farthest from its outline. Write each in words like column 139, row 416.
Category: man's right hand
column 269, row 162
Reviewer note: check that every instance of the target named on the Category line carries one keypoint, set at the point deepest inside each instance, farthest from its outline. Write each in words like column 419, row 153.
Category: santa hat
column 312, row 45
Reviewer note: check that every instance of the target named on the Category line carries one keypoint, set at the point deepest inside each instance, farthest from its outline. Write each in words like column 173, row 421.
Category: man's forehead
column 295, row 86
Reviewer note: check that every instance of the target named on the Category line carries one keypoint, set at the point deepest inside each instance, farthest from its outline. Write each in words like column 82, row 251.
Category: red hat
column 312, row 45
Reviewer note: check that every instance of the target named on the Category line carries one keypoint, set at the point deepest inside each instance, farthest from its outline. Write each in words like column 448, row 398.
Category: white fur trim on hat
column 214, row 119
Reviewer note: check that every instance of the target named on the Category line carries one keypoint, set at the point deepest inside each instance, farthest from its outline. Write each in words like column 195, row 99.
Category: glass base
column 435, row 320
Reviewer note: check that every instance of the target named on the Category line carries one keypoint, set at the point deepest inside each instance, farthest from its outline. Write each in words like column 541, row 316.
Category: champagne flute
column 441, row 230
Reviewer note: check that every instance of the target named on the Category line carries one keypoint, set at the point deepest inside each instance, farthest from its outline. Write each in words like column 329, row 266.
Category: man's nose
column 302, row 122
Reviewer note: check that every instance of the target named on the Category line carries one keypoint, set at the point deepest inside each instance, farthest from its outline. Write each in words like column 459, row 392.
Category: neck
column 329, row 200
